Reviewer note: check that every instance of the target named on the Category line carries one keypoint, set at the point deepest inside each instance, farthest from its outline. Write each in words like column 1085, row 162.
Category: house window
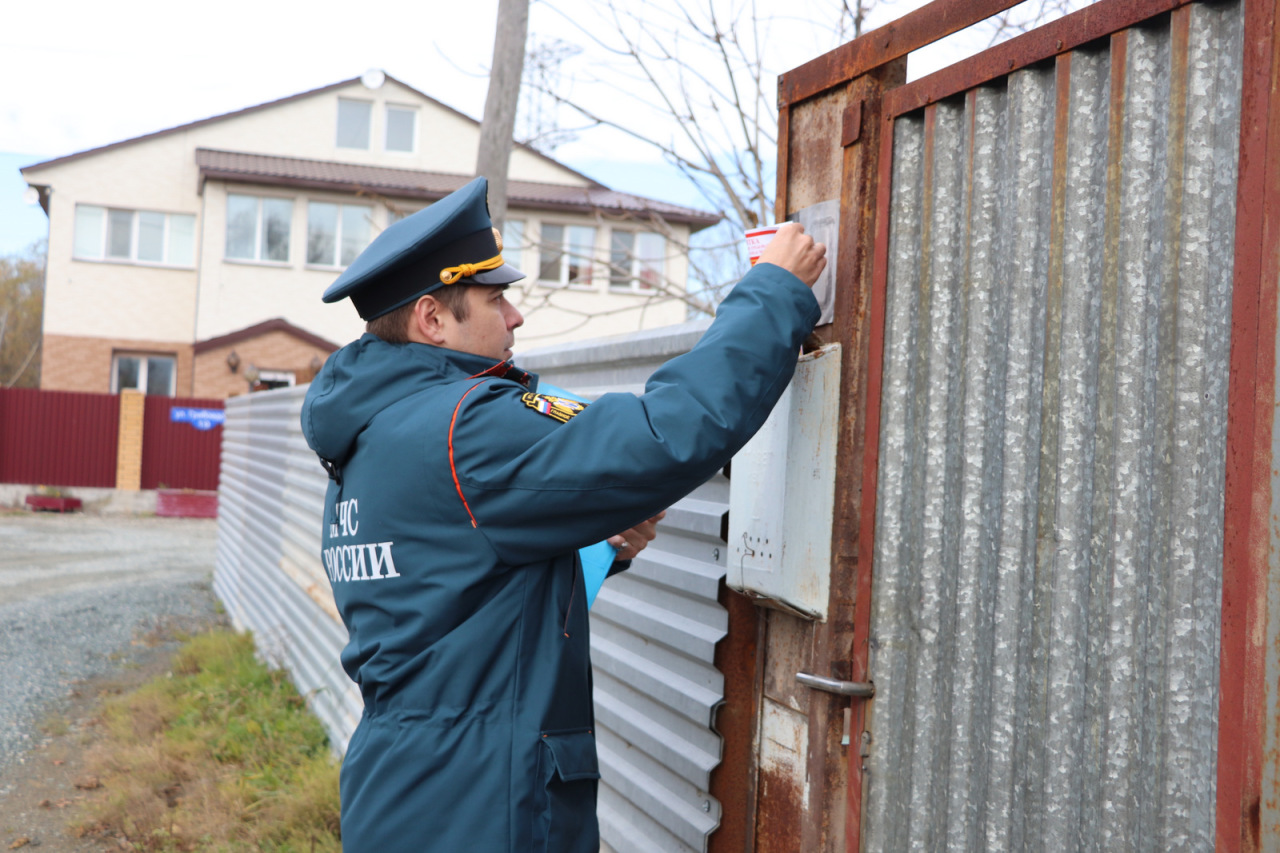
column 120, row 234
column 354, row 120
column 258, row 228
column 134, row 236
column 151, row 374
column 635, row 260
column 402, row 125
column 395, row 213
column 336, row 233
column 513, row 242
column 566, row 255
column 268, row 379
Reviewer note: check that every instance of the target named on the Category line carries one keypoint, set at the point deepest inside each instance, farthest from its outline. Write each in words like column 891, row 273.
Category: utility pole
column 498, row 127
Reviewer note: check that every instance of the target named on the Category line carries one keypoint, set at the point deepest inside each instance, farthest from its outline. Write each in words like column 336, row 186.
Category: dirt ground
column 49, row 788
column 90, row 606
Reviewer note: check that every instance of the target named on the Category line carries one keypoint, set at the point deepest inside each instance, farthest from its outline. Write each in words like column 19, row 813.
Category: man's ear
column 428, row 322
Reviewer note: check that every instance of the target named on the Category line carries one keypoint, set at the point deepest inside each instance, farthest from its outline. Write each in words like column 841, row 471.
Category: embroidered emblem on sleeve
column 560, row 408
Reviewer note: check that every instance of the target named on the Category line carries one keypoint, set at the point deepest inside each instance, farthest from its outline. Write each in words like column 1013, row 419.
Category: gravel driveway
column 78, row 593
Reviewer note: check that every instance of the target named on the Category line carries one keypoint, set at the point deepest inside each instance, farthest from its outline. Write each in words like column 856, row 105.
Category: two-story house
column 190, row 261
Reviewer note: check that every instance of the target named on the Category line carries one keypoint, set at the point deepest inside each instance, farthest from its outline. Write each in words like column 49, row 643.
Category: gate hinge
column 851, row 131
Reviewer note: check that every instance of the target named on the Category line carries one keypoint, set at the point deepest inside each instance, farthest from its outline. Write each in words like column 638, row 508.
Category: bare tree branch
column 693, row 81
column 17, row 374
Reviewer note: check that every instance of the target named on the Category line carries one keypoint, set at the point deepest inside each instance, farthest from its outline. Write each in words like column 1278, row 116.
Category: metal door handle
column 861, row 689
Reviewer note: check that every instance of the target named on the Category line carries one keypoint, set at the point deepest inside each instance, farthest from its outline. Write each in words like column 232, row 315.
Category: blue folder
column 596, row 559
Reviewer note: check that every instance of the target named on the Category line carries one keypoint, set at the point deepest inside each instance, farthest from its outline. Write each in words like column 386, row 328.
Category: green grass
column 219, row 754
column 55, row 725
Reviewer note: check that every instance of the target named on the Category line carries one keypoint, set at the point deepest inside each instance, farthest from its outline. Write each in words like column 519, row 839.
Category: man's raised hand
column 796, row 252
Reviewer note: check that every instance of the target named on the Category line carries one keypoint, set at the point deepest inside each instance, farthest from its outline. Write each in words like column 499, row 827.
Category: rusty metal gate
column 1057, row 306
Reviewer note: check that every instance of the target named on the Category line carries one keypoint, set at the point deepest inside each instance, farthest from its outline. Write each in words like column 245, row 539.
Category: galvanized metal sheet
column 268, row 573
column 654, row 632
column 654, row 628
column 1048, row 543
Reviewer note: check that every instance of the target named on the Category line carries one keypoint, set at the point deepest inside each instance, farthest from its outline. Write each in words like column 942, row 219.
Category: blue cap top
column 449, row 242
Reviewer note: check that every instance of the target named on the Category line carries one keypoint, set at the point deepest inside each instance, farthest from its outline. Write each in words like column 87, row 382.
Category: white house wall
column 555, row 315
column 235, row 294
column 83, row 297
column 446, row 141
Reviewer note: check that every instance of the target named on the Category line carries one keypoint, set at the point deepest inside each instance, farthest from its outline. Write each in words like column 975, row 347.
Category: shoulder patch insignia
column 560, row 408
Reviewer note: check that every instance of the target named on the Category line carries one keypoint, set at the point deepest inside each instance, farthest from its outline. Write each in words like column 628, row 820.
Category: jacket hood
column 365, row 377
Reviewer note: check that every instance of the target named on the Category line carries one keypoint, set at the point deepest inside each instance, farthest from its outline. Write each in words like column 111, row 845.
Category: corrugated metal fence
column 1049, row 526
column 654, row 629
column 58, row 438
column 267, row 570
column 178, row 454
column 65, row 438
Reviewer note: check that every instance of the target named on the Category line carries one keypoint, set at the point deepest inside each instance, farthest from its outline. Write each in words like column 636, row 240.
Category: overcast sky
column 81, row 74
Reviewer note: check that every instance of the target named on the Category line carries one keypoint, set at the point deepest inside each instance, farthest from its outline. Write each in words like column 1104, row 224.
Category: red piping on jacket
column 453, row 468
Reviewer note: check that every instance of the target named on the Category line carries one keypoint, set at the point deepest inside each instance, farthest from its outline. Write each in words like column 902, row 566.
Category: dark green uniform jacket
column 454, row 510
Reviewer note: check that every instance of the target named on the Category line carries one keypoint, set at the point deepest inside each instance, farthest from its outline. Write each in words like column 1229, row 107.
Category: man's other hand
column 631, row 542
column 796, row 252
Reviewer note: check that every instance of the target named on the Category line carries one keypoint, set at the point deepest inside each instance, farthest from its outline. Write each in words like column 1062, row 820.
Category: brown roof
column 248, row 168
column 277, row 325
column 279, row 101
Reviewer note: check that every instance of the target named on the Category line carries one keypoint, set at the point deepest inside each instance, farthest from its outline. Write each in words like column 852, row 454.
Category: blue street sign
column 201, row 419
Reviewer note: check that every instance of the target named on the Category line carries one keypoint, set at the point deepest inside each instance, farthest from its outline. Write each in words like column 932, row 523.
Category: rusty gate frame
column 871, row 67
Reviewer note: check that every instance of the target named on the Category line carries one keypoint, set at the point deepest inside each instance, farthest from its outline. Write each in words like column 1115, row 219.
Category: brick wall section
column 275, row 350
column 129, row 449
column 84, row 364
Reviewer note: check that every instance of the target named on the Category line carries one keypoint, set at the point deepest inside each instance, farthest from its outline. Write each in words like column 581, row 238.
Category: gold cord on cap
column 449, row 275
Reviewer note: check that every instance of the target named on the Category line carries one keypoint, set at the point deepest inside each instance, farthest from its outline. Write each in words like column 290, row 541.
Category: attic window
column 401, row 126
column 354, row 120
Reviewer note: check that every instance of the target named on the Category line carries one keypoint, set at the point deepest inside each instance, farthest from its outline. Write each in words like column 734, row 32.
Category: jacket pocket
column 569, row 772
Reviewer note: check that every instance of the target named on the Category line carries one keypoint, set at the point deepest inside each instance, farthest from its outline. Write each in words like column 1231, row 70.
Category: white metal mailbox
column 782, row 494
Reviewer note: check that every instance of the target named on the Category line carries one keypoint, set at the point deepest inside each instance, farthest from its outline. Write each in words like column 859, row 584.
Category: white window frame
column 337, row 238
column 386, row 127
column 278, row 378
column 337, row 125
column 513, row 241
column 143, row 358
column 636, row 264
column 259, row 231
column 134, row 231
column 566, row 257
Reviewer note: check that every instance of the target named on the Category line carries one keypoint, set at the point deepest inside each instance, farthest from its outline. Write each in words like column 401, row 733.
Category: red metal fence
column 180, row 451
column 61, row 438
column 58, row 438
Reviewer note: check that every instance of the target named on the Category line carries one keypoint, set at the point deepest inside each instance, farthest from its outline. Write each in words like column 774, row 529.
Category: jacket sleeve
column 536, row 488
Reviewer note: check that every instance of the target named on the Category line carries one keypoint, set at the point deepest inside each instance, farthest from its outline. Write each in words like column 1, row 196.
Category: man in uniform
column 458, row 499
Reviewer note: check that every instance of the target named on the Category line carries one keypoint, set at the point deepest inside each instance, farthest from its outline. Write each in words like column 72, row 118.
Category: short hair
column 393, row 327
